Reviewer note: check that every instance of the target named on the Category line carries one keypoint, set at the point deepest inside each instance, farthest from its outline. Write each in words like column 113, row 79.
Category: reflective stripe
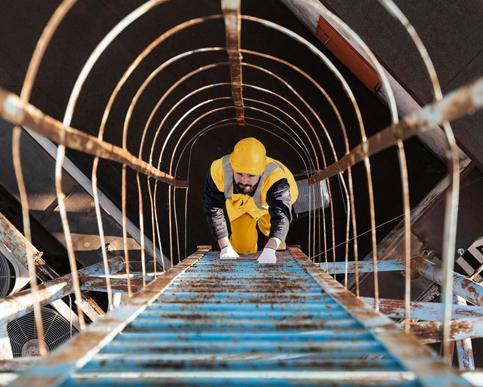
column 228, row 176
column 228, row 179
column 257, row 197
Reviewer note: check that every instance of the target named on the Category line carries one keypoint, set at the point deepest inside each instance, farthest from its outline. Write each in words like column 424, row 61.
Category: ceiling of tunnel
column 90, row 20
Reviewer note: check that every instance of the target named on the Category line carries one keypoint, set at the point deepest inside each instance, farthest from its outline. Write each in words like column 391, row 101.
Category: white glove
column 267, row 256
column 228, row 252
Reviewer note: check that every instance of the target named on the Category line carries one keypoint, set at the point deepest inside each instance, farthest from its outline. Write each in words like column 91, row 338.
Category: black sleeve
column 279, row 207
column 213, row 204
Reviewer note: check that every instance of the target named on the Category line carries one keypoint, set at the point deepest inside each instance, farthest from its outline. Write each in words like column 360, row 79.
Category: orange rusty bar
column 343, row 51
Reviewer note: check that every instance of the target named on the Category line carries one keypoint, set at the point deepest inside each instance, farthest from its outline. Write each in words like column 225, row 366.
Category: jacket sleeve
column 280, row 209
column 213, row 207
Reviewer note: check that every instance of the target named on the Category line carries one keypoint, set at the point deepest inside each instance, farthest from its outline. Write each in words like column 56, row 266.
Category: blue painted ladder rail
column 211, row 322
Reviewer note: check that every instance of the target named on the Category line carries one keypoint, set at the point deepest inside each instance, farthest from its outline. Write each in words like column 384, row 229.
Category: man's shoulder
column 217, row 163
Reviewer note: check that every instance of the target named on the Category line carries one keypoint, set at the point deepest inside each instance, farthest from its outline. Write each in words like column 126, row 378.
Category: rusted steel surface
column 463, row 101
column 427, row 311
column 466, row 358
column 340, row 47
column 204, row 325
column 207, row 327
column 255, row 378
column 231, row 12
column 221, row 320
column 21, row 303
column 59, row 365
column 463, row 286
column 410, row 352
column 118, row 285
column 15, row 365
column 430, row 331
column 10, row 367
column 17, row 112
column 363, row 266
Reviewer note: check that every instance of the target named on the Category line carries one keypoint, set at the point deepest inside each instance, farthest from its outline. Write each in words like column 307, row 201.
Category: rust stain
column 462, row 326
column 432, row 330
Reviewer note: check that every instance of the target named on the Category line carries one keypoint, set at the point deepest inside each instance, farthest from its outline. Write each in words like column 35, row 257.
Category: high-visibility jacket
column 256, row 206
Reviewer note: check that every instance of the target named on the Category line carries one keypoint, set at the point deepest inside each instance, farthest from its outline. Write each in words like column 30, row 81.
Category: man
column 256, row 190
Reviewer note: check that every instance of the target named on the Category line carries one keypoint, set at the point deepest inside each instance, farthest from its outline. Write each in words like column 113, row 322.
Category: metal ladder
column 212, row 322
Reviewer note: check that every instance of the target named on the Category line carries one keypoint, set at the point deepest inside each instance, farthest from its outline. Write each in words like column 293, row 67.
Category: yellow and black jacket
column 274, row 194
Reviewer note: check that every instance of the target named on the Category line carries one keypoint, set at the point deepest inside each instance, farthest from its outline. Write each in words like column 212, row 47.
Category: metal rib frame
column 341, row 177
column 452, row 198
column 219, row 109
column 451, row 210
column 192, row 142
column 329, row 139
column 351, row 97
column 28, row 83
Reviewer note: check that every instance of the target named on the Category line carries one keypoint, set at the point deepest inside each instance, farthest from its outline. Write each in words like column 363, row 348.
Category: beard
column 246, row 189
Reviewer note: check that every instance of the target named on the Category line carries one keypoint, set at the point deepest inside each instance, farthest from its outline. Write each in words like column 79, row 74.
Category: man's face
column 246, row 182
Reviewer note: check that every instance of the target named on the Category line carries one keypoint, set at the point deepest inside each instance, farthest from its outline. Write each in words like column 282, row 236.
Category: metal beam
column 314, row 19
column 17, row 245
column 363, row 266
column 111, row 211
column 427, row 311
column 430, row 331
column 118, row 285
column 463, row 286
column 464, row 348
column 19, row 113
column 21, row 303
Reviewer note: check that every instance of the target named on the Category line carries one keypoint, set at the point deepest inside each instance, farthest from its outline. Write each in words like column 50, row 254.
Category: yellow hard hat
column 248, row 156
